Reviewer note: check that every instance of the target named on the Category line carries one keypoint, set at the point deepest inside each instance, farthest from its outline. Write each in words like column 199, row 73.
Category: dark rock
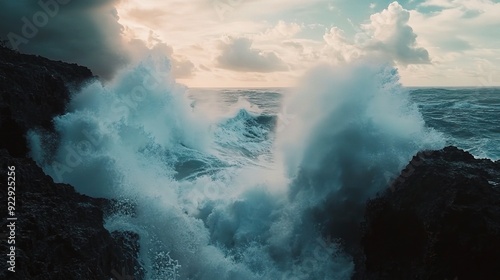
column 439, row 220
column 127, row 250
column 59, row 233
column 33, row 90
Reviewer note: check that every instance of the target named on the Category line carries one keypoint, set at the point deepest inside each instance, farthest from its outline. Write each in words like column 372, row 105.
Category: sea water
column 253, row 183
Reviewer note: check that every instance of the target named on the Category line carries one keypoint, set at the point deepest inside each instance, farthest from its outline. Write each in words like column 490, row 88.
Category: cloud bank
column 83, row 32
column 238, row 55
column 268, row 45
column 387, row 36
column 393, row 37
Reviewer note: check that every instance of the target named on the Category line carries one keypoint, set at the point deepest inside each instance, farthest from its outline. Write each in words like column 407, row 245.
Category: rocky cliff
column 59, row 233
column 440, row 219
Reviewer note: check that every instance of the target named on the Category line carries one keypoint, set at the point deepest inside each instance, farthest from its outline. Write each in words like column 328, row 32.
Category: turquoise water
column 468, row 117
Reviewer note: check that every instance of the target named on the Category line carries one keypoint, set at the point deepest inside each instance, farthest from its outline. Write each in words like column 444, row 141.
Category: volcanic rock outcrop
column 59, row 232
column 440, row 219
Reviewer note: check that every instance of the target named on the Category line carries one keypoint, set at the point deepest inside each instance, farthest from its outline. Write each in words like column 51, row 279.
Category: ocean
column 468, row 117
column 254, row 183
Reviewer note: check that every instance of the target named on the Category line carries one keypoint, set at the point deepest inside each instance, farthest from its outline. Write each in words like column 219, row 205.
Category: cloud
column 238, row 55
column 83, row 32
column 475, row 21
column 182, row 68
column 154, row 17
column 474, row 25
column 287, row 36
column 295, row 45
column 338, row 48
column 391, row 36
column 139, row 49
column 387, row 36
column 284, row 30
column 437, row 3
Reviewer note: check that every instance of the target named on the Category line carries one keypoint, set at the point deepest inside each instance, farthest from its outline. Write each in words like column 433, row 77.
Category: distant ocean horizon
column 255, row 183
column 443, row 108
column 323, row 146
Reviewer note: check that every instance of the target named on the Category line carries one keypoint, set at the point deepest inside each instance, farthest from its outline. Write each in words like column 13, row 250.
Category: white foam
column 126, row 140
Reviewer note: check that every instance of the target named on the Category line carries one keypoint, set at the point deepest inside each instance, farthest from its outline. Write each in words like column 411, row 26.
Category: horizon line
column 291, row 87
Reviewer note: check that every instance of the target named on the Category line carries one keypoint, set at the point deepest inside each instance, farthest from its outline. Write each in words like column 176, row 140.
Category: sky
column 266, row 43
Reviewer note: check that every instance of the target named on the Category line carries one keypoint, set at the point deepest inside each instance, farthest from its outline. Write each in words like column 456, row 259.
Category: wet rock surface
column 59, row 232
column 33, row 90
column 439, row 220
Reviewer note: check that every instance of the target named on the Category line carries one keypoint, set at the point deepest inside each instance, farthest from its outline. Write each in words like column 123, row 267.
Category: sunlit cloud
column 425, row 39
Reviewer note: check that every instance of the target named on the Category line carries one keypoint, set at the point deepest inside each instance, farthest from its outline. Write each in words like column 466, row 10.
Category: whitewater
column 239, row 184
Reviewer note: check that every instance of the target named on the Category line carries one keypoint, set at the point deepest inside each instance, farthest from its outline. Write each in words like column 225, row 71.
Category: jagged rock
column 439, row 220
column 59, row 233
column 33, row 90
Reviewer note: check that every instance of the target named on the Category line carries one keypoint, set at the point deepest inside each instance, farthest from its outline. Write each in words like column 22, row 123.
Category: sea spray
column 201, row 211
column 353, row 125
